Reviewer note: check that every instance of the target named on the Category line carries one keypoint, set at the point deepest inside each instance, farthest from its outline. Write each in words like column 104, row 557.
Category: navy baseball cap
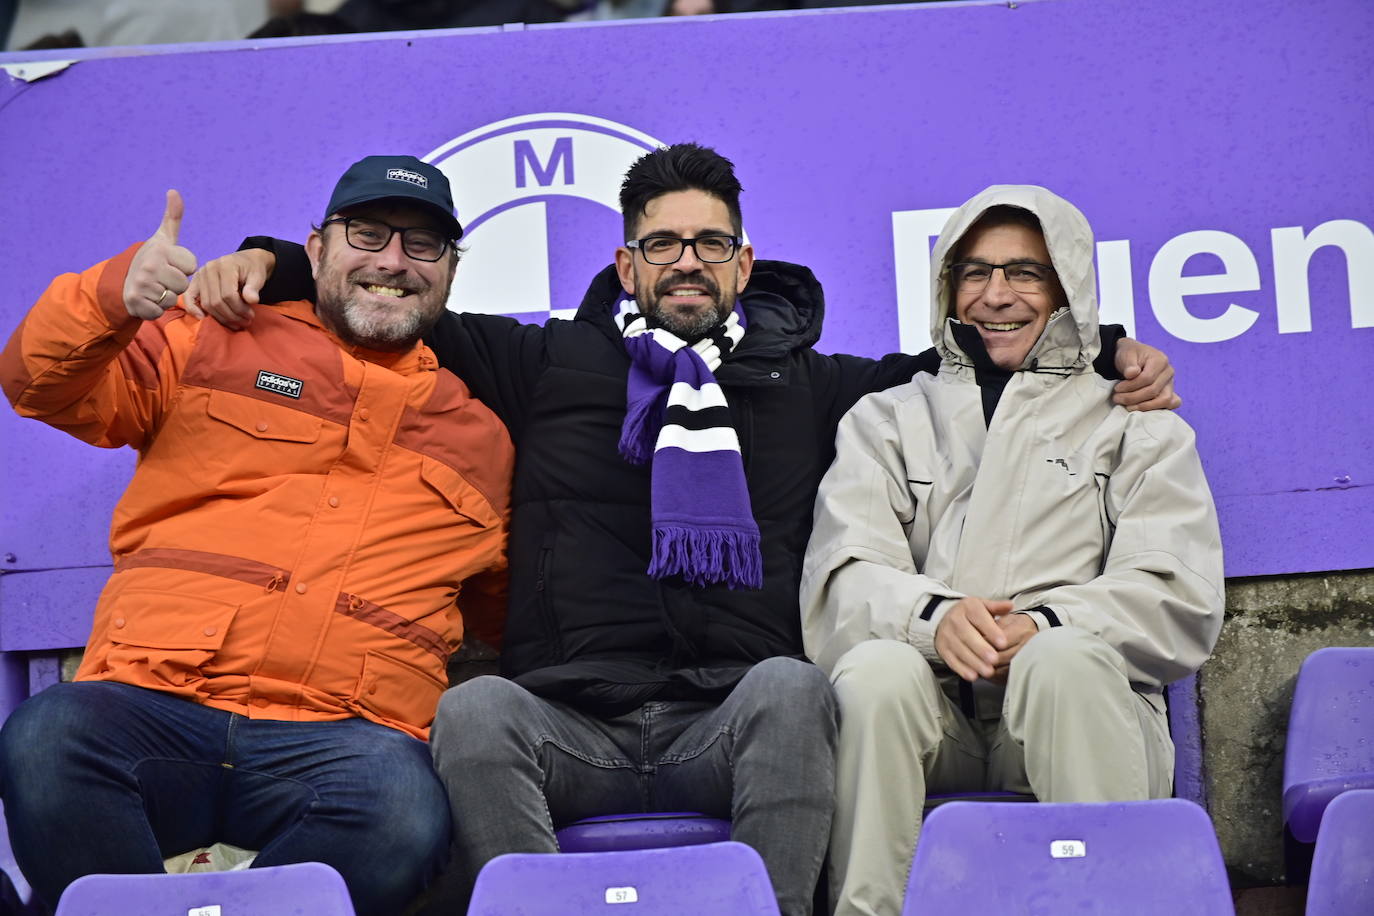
column 400, row 178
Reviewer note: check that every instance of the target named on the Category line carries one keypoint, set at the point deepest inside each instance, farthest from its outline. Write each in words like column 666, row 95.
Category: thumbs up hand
column 161, row 270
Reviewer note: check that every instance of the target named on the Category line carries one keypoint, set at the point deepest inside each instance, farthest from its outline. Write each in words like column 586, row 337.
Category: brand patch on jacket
column 279, row 384
column 1063, row 464
column 414, row 178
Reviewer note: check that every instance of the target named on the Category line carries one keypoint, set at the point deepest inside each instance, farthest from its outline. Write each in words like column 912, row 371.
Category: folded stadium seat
column 934, row 801
column 1139, row 858
column 641, row 831
column 1330, row 736
column 281, row 890
column 723, row 879
column 1342, row 881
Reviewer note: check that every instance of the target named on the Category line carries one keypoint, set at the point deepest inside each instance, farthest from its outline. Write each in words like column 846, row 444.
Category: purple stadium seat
column 1330, row 736
column 1342, row 881
column 723, row 879
column 1117, row 858
column 642, row 831
column 14, row 682
column 18, row 897
column 282, row 890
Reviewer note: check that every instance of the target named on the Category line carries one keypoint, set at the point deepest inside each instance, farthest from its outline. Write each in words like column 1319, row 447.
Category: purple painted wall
column 1180, row 129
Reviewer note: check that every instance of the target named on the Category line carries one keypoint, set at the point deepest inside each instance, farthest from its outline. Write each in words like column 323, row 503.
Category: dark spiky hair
column 680, row 167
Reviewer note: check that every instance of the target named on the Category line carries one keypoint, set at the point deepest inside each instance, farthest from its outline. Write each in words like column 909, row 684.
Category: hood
column 1070, row 340
column 783, row 303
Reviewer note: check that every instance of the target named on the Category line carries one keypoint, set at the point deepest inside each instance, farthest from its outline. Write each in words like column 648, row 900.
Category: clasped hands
column 978, row 638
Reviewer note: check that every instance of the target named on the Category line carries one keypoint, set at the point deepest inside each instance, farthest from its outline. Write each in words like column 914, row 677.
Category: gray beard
column 690, row 330
column 359, row 326
column 380, row 332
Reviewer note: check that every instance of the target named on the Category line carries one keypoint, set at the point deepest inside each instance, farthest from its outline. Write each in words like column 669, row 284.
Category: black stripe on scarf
column 708, row 418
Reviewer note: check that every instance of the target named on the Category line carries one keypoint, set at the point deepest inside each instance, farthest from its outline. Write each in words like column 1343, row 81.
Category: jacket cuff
column 290, row 279
column 109, row 290
column 1044, row 616
column 1105, row 363
column 921, row 631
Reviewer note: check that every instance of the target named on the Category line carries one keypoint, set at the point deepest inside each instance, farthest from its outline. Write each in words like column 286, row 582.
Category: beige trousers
column 1071, row 730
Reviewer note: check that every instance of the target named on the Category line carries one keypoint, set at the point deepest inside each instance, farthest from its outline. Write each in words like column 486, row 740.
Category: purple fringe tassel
column 707, row 556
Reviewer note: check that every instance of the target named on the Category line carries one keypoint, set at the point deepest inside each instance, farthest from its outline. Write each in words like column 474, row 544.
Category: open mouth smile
column 394, row 292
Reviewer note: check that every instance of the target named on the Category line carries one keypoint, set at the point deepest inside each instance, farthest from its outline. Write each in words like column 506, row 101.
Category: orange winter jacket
column 295, row 539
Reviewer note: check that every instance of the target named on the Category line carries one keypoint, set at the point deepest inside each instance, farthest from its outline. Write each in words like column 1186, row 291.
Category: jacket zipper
column 746, row 431
column 553, row 634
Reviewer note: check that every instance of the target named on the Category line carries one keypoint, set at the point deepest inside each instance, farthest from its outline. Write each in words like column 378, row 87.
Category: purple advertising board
column 1220, row 148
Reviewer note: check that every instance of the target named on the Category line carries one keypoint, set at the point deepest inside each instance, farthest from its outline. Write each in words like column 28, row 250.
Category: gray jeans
column 516, row 766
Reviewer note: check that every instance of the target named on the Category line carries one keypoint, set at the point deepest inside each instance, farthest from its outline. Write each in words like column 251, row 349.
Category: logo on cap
column 414, row 178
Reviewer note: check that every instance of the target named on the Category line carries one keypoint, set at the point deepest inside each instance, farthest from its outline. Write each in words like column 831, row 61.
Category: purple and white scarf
column 676, row 415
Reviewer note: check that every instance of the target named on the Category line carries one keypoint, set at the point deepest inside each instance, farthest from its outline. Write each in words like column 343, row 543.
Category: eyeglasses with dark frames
column 666, row 249
column 367, row 234
column 1022, row 276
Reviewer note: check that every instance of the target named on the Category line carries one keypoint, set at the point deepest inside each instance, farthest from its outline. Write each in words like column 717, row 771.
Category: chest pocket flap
column 457, row 492
column 263, row 420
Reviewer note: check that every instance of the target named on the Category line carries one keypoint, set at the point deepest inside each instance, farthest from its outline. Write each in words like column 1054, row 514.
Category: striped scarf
column 676, row 414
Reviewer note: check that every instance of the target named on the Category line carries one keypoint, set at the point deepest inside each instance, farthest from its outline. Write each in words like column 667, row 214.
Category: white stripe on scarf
column 694, row 399
column 716, row 439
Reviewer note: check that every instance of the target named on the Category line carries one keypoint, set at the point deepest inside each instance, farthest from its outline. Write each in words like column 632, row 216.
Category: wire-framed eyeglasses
column 1022, row 276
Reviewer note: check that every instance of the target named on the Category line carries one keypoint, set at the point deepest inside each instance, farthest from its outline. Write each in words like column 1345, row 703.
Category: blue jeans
column 516, row 766
column 99, row 777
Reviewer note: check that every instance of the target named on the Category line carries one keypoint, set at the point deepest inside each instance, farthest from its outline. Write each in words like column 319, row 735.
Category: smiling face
column 691, row 296
column 1009, row 320
column 381, row 300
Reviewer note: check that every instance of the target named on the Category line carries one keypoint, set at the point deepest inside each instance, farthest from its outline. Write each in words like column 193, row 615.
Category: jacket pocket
column 543, row 593
column 167, row 637
column 918, row 525
column 393, row 690
column 1104, row 519
column 262, row 420
column 461, row 496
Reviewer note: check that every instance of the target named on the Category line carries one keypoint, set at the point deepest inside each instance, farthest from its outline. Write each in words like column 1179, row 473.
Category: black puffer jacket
column 587, row 625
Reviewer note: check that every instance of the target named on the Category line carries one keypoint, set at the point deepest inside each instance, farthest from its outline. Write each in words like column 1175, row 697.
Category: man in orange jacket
column 310, row 496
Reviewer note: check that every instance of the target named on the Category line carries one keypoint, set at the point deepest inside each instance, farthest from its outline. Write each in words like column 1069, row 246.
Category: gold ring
column 165, row 291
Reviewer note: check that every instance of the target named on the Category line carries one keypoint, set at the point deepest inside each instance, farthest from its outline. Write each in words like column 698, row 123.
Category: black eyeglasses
column 1022, row 276
column 368, row 234
column 665, row 249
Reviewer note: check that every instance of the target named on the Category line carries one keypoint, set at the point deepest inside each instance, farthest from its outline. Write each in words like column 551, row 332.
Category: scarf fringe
column 706, row 556
column 640, row 430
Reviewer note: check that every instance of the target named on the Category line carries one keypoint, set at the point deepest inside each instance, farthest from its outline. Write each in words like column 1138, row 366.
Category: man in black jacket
column 670, row 440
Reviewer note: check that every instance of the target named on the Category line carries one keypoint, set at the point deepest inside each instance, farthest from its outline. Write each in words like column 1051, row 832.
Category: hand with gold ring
column 160, row 267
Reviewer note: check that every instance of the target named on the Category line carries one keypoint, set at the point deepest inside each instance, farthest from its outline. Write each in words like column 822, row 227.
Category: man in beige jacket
column 1005, row 569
